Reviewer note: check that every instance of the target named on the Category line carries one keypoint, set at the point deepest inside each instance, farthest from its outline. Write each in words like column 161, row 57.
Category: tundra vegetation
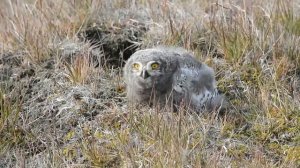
column 62, row 96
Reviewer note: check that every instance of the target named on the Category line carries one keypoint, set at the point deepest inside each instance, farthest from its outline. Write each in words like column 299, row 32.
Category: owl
column 161, row 76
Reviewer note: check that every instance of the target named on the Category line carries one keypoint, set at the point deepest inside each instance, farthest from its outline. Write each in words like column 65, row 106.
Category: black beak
column 145, row 74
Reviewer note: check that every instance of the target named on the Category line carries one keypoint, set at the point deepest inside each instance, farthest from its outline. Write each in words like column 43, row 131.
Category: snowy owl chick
column 171, row 75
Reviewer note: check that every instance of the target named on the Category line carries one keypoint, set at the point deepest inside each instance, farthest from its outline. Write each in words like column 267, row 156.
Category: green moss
column 11, row 133
column 239, row 151
column 292, row 154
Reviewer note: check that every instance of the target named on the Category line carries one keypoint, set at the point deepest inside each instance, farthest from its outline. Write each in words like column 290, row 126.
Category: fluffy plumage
column 161, row 75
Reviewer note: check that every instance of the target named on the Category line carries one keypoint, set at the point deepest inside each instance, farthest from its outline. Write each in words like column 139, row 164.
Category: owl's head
column 148, row 68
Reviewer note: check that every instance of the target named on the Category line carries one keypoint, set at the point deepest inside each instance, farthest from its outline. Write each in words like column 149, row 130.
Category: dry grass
column 62, row 108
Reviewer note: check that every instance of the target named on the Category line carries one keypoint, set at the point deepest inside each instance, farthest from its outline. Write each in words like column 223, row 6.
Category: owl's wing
column 198, row 87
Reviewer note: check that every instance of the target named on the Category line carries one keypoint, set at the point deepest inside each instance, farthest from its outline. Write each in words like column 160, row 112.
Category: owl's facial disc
column 147, row 72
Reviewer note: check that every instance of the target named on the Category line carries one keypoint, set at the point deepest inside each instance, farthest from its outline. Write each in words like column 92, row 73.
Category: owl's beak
column 145, row 74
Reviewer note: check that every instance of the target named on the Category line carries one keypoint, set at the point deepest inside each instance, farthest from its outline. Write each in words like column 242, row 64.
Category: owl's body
column 170, row 75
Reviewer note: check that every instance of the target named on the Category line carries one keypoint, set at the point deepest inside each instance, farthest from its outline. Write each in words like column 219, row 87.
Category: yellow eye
column 136, row 66
column 154, row 66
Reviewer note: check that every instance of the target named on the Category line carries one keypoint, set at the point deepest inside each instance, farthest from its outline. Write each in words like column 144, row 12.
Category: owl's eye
column 154, row 66
column 136, row 66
